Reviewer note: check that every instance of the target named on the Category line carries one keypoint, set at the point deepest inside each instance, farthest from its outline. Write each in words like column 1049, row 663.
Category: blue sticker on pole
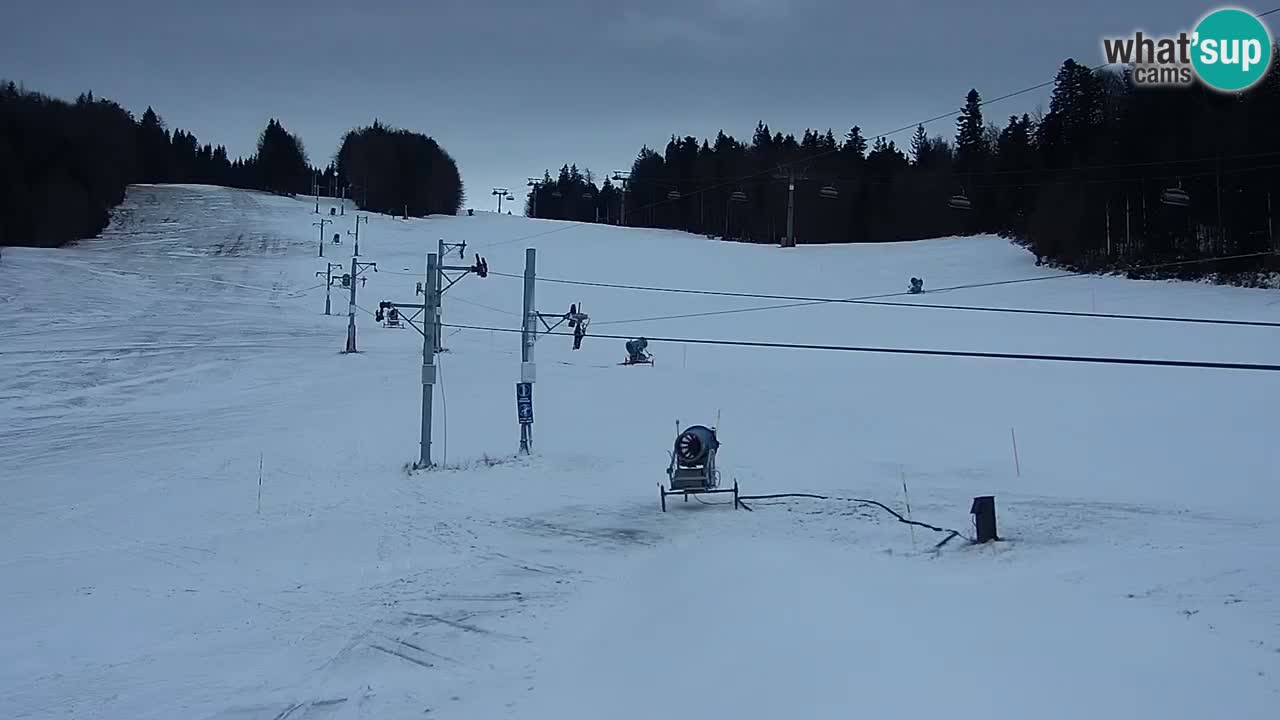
column 524, row 402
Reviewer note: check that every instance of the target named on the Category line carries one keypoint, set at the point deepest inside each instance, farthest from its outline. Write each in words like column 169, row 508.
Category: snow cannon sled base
column 692, row 470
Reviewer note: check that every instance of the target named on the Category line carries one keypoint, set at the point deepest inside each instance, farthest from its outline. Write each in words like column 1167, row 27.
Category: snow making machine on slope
column 693, row 470
column 637, row 353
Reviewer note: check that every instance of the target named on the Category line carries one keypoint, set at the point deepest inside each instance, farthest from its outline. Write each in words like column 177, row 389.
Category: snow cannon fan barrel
column 695, row 445
column 693, row 465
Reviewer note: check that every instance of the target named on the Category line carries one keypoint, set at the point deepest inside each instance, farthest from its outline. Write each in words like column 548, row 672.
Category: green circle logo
column 1232, row 49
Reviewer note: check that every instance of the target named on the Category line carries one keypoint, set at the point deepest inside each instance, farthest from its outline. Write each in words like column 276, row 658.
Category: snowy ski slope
column 145, row 375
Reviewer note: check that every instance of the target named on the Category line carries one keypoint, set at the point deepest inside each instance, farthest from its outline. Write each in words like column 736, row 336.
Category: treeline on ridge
column 65, row 165
column 1085, row 186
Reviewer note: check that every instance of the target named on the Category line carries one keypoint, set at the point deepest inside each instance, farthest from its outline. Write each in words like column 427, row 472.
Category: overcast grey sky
column 511, row 88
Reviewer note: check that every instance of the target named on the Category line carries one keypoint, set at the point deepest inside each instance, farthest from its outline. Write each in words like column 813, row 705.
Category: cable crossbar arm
column 1100, row 360
column 418, row 307
column 415, row 327
column 452, row 281
column 560, row 320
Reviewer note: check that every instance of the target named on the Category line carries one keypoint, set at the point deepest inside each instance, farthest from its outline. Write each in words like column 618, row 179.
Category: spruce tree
column 855, row 145
column 919, row 145
column 971, row 140
column 153, row 145
column 282, row 161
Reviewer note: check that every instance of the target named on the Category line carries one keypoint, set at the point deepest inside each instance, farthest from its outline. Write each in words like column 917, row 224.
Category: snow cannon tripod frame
column 692, row 470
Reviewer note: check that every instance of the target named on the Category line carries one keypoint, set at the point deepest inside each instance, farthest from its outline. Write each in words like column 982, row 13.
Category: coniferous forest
column 1109, row 177
column 65, row 165
column 1092, row 184
column 397, row 171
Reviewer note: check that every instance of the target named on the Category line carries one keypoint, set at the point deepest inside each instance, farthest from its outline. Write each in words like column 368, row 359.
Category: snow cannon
column 636, row 354
column 692, row 470
column 696, row 448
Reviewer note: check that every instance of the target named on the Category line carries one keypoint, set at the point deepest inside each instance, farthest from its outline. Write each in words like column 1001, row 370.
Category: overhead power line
column 1064, row 171
column 877, row 300
column 752, row 176
column 1126, row 181
column 816, row 156
column 1057, row 179
column 919, row 351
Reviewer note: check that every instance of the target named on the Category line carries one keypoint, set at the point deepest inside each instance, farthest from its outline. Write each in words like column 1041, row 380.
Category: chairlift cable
column 1084, row 359
column 877, row 300
column 825, row 153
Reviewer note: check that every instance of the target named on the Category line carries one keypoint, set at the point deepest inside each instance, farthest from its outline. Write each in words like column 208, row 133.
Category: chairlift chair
column 829, row 191
column 673, row 195
column 738, row 196
column 578, row 320
column 1175, row 196
column 960, row 202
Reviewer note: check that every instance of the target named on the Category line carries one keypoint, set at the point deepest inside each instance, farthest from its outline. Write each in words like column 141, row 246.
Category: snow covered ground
column 147, row 376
